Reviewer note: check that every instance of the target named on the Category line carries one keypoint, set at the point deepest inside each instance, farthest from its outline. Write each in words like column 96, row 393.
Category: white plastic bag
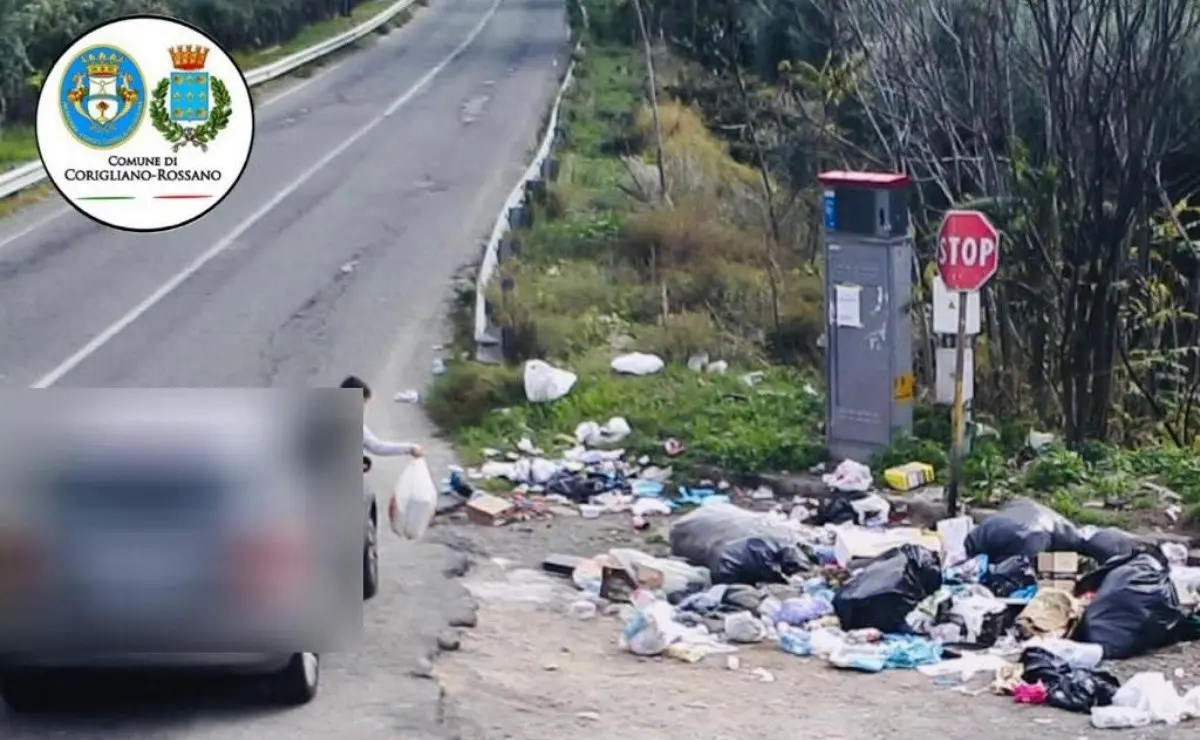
column 1152, row 693
column 1191, row 703
column 414, row 501
column 638, row 363
column 850, row 476
column 1119, row 718
column 744, row 627
column 652, row 627
column 545, row 383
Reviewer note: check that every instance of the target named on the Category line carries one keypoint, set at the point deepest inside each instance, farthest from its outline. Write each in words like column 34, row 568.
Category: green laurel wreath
column 180, row 136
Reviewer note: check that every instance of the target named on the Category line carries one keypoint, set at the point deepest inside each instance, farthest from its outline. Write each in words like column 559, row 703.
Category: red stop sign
column 968, row 250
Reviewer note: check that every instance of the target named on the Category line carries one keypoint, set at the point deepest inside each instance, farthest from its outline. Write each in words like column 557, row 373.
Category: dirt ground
column 531, row 671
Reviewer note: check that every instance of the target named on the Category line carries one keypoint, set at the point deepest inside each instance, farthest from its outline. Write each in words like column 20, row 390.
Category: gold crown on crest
column 188, row 58
column 102, row 65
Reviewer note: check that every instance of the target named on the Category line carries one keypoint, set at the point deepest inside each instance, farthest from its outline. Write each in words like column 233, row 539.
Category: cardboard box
column 488, row 510
column 909, row 476
column 1058, row 570
column 561, row 565
column 617, row 584
column 853, row 543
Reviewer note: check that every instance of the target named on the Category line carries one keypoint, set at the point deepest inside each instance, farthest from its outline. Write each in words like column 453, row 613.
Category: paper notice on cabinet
column 847, row 305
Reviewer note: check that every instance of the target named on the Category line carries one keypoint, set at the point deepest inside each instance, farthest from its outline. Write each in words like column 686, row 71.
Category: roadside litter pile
column 1026, row 597
column 588, row 476
column 1006, row 598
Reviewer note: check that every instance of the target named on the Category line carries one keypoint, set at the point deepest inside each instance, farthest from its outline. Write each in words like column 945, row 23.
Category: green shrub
column 467, row 392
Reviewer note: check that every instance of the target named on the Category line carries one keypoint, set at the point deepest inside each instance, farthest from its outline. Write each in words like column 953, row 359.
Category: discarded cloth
column 894, row 651
column 1051, row 612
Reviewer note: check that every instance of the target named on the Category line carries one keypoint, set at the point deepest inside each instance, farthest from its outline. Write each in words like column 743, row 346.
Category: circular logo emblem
column 102, row 97
column 96, row 102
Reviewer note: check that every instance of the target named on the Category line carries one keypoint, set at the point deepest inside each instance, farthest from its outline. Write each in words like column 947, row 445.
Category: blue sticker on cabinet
column 830, row 211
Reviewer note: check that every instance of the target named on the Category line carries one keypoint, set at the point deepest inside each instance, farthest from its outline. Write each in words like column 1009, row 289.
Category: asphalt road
column 370, row 184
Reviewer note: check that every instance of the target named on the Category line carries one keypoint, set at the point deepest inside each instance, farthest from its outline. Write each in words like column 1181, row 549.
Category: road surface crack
column 305, row 329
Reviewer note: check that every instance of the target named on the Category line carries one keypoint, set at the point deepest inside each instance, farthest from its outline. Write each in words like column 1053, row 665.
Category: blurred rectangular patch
column 181, row 521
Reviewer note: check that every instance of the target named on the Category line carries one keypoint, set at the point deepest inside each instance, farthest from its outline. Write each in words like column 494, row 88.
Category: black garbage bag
column 883, row 593
column 577, row 488
column 837, row 509
column 700, row 537
column 1107, row 543
column 1023, row 527
column 1072, row 689
column 754, row 560
column 993, row 626
column 1010, row 575
column 1136, row 608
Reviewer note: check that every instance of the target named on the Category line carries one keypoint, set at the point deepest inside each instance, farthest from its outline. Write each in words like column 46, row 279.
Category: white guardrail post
column 487, row 336
column 27, row 175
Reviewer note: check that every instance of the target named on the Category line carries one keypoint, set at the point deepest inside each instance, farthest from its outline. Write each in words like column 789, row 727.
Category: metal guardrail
column 485, row 335
column 27, row 175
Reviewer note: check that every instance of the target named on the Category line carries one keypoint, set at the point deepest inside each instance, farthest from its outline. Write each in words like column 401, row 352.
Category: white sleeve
column 377, row 446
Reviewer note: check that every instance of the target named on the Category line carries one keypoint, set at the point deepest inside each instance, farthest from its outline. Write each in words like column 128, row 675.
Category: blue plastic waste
column 910, row 651
column 801, row 611
column 647, row 488
column 796, row 643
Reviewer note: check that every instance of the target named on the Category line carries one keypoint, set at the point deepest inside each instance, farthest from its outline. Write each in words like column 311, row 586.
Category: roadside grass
column 318, row 32
column 603, row 271
column 25, row 198
column 593, row 277
column 718, row 417
column 18, row 145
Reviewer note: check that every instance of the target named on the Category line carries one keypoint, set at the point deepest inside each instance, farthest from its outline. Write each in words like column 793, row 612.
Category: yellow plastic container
column 909, row 476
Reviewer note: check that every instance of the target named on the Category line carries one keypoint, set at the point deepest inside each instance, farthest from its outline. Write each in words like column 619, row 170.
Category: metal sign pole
column 959, row 413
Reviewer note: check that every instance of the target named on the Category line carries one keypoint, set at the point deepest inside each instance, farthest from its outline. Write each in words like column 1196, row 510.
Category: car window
column 129, row 496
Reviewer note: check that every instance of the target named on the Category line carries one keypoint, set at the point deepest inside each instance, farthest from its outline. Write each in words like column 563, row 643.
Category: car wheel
column 26, row 694
column 371, row 561
column 297, row 683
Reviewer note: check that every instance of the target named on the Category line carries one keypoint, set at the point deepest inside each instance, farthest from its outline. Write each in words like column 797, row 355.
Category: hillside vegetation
column 696, row 231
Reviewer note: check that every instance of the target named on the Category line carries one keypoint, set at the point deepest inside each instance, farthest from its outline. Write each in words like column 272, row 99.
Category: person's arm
column 377, row 446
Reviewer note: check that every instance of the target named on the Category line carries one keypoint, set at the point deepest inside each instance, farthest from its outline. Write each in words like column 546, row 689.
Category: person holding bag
column 414, row 498
column 373, row 444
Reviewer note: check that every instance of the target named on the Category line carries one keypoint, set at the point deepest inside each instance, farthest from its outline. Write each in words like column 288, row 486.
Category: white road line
column 286, row 93
column 226, row 241
column 30, row 228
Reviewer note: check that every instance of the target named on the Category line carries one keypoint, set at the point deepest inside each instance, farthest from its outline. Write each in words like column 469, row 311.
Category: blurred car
column 370, row 537
column 176, row 558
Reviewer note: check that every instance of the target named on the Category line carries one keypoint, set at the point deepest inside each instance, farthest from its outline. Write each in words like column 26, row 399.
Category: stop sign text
column 968, row 250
